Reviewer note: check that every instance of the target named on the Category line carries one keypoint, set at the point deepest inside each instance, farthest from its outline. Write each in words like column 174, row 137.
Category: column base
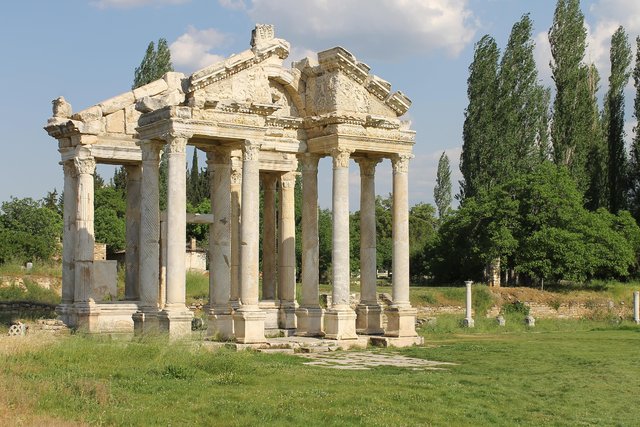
column 145, row 322
column 401, row 322
column 220, row 324
column 309, row 322
column 66, row 314
column 271, row 310
column 176, row 320
column 340, row 324
column 86, row 316
column 287, row 315
column 468, row 322
column 369, row 319
column 248, row 325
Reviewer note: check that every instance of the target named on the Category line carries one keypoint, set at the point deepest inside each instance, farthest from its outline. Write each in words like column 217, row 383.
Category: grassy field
column 560, row 373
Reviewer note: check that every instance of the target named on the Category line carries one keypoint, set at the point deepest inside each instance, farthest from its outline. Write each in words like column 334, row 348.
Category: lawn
column 560, row 373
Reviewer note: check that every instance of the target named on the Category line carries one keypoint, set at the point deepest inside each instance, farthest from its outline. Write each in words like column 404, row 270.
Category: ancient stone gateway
column 256, row 120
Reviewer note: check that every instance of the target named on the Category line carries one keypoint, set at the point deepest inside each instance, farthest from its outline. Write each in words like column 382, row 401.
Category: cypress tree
column 617, row 160
column 634, row 169
column 154, row 65
column 442, row 190
column 478, row 159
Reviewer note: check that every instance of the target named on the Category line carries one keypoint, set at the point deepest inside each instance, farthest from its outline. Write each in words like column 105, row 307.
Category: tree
column 522, row 105
column 572, row 106
column 477, row 161
column 154, row 65
column 634, row 169
column 110, row 209
column 596, row 193
column 617, row 159
column 197, row 182
column 442, row 190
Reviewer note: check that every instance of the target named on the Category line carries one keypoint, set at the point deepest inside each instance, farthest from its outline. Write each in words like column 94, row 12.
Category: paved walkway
column 368, row 360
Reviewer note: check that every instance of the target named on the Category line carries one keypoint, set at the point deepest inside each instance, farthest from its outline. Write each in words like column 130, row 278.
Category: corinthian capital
column 176, row 144
column 341, row 157
column 251, row 150
column 85, row 165
column 288, row 180
column 309, row 162
column 367, row 165
column 400, row 163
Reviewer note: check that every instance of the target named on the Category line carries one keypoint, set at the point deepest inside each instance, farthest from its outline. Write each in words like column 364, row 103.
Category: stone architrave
column 401, row 317
column 249, row 319
column 68, row 243
column 236, row 204
column 220, row 312
column 84, row 307
column 369, row 312
column 309, row 314
column 269, row 246
column 175, row 318
column 132, row 254
column 146, row 318
column 287, row 252
column 340, row 319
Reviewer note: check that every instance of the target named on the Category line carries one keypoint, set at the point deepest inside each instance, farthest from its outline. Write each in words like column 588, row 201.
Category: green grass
column 561, row 373
column 39, row 269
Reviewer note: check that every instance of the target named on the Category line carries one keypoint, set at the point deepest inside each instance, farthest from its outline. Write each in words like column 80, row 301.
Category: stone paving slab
column 368, row 360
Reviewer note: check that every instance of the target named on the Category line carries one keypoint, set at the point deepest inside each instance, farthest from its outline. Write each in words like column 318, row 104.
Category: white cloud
column 233, row 4
column 127, row 4
column 380, row 29
column 192, row 50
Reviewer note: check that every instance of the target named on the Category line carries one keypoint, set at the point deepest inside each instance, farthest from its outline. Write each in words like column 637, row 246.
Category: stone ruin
column 258, row 122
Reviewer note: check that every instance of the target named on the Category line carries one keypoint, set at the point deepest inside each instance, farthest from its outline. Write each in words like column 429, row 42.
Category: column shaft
column 368, row 261
column 310, row 243
column 249, row 255
column 85, row 239
column 269, row 248
column 236, row 203
column 287, row 252
column 176, row 222
column 400, row 231
column 132, row 254
column 340, row 250
column 69, row 232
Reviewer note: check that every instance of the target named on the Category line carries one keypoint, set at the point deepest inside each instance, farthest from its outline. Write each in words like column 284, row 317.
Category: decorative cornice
column 341, row 157
column 400, row 163
column 251, row 150
column 85, row 166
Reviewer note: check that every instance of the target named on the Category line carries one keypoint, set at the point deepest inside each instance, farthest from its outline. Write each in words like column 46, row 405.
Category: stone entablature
column 255, row 119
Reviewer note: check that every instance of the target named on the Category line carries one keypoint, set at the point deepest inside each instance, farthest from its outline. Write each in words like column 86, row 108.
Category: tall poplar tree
column 634, row 169
column 596, row 195
column 154, row 65
column 442, row 190
column 617, row 160
column 570, row 126
column 522, row 105
column 478, row 159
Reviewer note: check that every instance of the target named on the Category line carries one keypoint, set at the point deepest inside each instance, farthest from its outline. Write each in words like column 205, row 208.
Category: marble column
column 249, row 319
column 340, row 319
column 400, row 316
column 146, row 318
column 132, row 254
column 68, row 244
column 269, row 248
column 309, row 314
column 220, row 313
column 175, row 318
column 369, row 312
column 236, row 203
column 287, row 252
column 84, row 307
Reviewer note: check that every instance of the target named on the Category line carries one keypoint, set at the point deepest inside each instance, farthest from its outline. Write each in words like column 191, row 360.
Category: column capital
column 288, row 180
column 400, row 162
column 341, row 156
column 269, row 181
column 150, row 151
column 176, row 144
column 84, row 165
column 251, row 150
column 367, row 165
column 218, row 156
column 309, row 162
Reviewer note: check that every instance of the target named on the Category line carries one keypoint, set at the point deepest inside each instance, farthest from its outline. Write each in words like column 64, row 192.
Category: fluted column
column 249, row 319
column 132, row 254
column 175, row 318
column 236, row 203
column 369, row 312
column 69, row 232
column 149, row 269
column 287, row 252
column 340, row 319
column 85, row 240
column 219, row 316
column 269, row 248
column 309, row 314
column 401, row 316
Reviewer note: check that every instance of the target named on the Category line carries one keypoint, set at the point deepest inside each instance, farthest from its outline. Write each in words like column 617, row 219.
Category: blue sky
column 86, row 51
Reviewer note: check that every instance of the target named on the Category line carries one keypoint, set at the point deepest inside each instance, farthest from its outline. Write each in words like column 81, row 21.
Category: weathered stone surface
column 116, row 103
column 150, row 89
column 115, row 122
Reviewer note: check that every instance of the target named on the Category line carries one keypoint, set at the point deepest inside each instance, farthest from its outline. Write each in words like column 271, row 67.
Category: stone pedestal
column 310, row 322
column 369, row 319
column 175, row 319
column 340, row 324
column 249, row 326
column 86, row 315
column 401, row 322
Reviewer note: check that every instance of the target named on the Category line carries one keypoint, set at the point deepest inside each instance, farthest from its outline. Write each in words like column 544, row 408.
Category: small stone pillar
column 401, row 317
column 220, row 320
column 249, row 319
column 309, row 314
column 68, row 243
column 530, row 321
column 287, row 253
column 175, row 318
column 132, row 254
column 146, row 318
column 501, row 320
column 269, row 246
column 340, row 319
column 636, row 307
column 236, row 203
column 369, row 312
column 468, row 319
